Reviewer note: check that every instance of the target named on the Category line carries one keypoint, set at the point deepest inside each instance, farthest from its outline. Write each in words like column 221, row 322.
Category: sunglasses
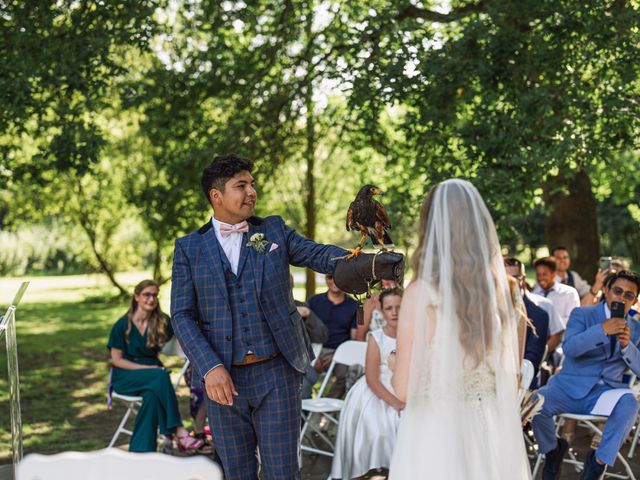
column 626, row 294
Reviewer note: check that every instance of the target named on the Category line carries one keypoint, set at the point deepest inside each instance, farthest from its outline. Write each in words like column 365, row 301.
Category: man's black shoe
column 592, row 469
column 553, row 461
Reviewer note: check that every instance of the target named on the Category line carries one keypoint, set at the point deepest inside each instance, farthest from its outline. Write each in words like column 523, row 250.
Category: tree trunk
column 84, row 220
column 310, row 200
column 572, row 221
column 157, row 262
column 105, row 266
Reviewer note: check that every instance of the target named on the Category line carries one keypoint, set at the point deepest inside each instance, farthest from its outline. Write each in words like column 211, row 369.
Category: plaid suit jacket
column 200, row 310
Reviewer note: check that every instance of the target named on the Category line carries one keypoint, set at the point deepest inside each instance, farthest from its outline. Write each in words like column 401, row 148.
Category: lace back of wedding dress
column 461, row 420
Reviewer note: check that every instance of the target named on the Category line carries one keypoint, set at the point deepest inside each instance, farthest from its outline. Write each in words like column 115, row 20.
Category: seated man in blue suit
column 598, row 349
column 234, row 315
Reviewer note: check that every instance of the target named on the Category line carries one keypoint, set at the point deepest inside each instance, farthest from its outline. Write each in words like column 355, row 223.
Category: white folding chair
column 527, row 372
column 317, row 350
column 133, row 403
column 635, row 385
column 114, row 463
column 348, row 353
column 590, row 422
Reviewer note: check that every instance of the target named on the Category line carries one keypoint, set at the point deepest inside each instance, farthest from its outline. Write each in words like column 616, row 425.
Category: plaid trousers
column 265, row 414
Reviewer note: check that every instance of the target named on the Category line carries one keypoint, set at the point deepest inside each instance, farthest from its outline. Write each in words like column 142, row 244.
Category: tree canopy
column 535, row 101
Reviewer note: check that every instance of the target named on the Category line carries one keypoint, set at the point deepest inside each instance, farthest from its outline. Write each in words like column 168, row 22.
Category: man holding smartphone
column 599, row 346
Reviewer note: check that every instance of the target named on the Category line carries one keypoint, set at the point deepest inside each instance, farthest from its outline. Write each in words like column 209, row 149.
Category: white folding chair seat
column 133, row 403
column 348, row 353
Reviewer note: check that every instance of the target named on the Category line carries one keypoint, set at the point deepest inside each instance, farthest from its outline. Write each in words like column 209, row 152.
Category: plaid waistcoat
column 250, row 330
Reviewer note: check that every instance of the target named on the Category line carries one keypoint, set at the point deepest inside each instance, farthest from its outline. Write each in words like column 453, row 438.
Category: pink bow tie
column 226, row 230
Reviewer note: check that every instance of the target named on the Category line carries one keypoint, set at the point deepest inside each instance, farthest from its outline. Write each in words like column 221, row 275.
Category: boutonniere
column 257, row 242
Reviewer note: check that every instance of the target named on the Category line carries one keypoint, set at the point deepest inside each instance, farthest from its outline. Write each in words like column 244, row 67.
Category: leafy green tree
column 60, row 62
column 513, row 95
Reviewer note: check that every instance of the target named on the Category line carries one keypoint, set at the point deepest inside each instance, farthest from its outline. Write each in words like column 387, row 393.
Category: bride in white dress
column 457, row 349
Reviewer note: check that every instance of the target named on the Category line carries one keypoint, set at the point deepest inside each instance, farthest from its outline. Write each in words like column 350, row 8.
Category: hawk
column 369, row 217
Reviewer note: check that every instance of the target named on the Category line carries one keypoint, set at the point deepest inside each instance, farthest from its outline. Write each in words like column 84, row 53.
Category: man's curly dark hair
column 624, row 274
column 221, row 169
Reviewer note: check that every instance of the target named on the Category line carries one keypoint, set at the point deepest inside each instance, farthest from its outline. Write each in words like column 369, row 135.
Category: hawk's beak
column 377, row 191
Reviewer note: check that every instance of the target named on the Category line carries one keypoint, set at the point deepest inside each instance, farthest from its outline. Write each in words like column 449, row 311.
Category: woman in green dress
column 134, row 342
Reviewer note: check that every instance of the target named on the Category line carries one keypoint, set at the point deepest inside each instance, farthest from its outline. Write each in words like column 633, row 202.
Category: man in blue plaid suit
column 234, row 315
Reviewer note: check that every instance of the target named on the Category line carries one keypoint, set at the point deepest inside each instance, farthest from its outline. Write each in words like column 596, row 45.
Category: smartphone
column 617, row 310
column 605, row 263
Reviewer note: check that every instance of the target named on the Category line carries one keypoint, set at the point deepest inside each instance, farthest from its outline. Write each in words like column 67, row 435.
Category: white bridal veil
column 461, row 420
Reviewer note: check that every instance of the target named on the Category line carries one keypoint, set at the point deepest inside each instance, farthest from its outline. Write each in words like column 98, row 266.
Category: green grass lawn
column 62, row 328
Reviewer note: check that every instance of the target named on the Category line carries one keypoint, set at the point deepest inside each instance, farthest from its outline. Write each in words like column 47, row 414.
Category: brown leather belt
column 253, row 359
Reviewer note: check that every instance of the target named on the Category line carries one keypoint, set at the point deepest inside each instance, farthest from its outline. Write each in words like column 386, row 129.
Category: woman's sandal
column 207, row 446
column 187, row 443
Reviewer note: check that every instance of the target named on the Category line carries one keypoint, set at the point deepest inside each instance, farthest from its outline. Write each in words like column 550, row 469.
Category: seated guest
column 135, row 341
column 198, row 410
column 595, row 293
column 371, row 413
column 372, row 312
column 598, row 349
column 338, row 312
column 565, row 275
column 563, row 297
column 318, row 333
column 536, row 340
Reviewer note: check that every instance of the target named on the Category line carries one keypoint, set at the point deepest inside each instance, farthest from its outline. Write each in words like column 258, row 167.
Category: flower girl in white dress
column 371, row 413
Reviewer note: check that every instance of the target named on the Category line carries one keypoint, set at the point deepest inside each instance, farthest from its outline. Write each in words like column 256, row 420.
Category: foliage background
column 110, row 110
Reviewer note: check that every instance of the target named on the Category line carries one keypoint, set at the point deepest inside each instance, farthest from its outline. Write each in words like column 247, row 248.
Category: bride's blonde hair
column 473, row 296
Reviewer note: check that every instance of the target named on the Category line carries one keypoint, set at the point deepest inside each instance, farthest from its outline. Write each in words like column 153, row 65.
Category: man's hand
column 322, row 363
column 219, row 386
column 625, row 337
column 614, row 326
column 303, row 311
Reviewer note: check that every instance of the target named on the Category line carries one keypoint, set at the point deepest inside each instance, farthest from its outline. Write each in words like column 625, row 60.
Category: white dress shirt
column 555, row 322
column 563, row 297
column 231, row 244
column 581, row 285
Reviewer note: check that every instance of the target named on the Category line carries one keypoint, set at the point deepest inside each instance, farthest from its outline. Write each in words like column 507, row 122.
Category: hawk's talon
column 354, row 253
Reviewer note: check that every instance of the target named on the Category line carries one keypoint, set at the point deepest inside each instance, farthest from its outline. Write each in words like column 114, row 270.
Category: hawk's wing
column 381, row 214
column 350, row 218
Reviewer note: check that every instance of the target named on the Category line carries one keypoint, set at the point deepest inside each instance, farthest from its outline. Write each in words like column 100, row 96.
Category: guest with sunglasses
column 134, row 343
column 598, row 350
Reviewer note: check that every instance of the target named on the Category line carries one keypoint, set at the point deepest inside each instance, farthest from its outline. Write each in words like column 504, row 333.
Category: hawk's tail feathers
column 388, row 243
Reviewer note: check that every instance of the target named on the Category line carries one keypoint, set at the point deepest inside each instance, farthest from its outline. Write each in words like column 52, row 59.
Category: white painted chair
column 133, row 403
column 527, row 372
column 635, row 385
column 349, row 353
column 113, row 463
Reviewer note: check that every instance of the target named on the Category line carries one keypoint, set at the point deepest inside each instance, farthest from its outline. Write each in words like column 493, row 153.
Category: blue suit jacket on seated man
column 236, row 320
column 594, row 363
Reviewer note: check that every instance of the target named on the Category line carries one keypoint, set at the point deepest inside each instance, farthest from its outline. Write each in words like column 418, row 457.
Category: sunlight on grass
column 68, row 288
column 62, row 325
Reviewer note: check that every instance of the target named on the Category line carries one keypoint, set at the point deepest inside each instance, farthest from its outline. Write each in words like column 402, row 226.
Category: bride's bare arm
column 404, row 342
